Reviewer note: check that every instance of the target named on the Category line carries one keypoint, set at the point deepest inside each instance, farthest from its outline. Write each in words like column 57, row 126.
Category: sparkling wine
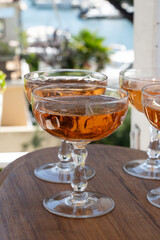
column 85, row 90
column 135, row 97
column 152, row 112
column 83, row 119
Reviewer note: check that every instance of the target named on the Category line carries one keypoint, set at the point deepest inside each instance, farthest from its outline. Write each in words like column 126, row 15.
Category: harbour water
column 115, row 31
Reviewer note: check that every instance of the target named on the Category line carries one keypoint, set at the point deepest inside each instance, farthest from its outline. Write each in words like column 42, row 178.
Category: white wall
column 12, row 22
column 147, row 55
column 14, row 139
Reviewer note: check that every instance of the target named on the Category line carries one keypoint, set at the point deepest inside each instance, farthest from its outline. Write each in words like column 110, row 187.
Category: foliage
column 2, row 80
column 5, row 49
column 84, row 49
column 36, row 141
column 32, row 60
column 121, row 136
column 23, row 39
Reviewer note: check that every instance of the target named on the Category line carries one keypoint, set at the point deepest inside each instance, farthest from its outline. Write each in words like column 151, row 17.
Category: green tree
column 5, row 49
column 2, row 81
column 32, row 60
column 86, row 48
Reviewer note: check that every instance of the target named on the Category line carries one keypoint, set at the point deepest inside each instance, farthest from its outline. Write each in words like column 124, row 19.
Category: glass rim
column 149, row 94
column 63, row 98
column 147, row 77
column 28, row 75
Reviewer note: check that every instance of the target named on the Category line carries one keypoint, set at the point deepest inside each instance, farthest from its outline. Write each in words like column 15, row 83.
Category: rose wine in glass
column 133, row 80
column 79, row 119
column 151, row 104
column 62, row 171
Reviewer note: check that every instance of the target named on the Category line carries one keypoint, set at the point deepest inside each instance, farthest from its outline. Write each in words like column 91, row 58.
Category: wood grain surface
column 23, row 217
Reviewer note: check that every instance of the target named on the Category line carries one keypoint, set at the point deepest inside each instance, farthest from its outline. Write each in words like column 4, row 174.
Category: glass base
column 62, row 204
column 52, row 172
column 154, row 197
column 140, row 168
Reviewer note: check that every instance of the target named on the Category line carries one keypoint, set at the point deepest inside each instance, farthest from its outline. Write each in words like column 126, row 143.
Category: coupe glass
column 79, row 119
column 62, row 171
column 133, row 80
column 151, row 104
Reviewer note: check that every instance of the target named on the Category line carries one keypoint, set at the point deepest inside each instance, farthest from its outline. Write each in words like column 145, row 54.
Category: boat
column 58, row 3
column 120, row 59
column 102, row 9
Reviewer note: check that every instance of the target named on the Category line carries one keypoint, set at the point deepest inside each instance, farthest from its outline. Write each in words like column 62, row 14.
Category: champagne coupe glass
column 133, row 80
column 151, row 104
column 62, row 171
column 79, row 119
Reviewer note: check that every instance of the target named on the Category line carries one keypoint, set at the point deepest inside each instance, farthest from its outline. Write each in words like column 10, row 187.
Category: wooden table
column 23, row 217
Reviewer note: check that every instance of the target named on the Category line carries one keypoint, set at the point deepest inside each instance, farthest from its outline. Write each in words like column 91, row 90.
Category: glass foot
column 53, row 173
column 154, row 197
column 140, row 168
column 96, row 204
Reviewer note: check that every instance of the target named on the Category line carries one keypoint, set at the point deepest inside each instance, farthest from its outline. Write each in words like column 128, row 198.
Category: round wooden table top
column 23, row 217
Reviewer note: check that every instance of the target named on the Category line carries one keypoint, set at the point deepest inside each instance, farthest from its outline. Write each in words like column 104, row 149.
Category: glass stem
column 64, row 154
column 153, row 150
column 79, row 180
